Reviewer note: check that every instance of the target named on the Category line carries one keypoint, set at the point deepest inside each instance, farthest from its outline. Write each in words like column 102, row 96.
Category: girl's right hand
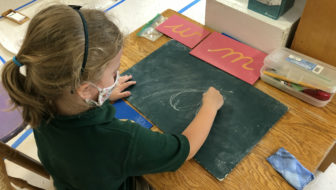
column 213, row 98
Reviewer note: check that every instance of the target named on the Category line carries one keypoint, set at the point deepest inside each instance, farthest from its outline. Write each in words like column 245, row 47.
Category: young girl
column 61, row 78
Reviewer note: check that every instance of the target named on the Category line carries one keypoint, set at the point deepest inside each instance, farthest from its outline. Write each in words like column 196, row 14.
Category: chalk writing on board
column 231, row 52
column 177, row 103
column 181, row 32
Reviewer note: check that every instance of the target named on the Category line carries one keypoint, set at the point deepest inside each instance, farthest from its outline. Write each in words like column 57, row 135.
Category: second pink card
column 236, row 58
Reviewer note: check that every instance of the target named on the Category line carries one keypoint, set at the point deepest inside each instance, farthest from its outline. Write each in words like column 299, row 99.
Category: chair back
column 21, row 159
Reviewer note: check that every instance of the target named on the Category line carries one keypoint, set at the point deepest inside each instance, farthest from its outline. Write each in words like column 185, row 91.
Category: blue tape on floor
column 22, row 138
column 2, row 60
column 188, row 6
column 114, row 5
column 36, row 0
column 23, row 6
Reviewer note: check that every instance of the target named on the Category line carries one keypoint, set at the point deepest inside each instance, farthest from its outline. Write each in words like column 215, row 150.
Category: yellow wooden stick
column 280, row 77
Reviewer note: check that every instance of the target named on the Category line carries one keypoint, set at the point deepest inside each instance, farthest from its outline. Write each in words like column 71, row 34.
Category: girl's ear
column 85, row 91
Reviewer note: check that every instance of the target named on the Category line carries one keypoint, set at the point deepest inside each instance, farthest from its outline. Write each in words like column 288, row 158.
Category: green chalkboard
column 170, row 84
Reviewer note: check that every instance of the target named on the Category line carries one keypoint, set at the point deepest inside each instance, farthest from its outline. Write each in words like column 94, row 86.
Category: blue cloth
column 291, row 169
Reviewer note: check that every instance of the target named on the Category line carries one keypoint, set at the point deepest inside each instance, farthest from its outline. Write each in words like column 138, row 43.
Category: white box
column 234, row 18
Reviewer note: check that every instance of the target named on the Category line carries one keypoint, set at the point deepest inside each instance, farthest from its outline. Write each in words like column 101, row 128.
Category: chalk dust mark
column 226, row 91
column 158, row 93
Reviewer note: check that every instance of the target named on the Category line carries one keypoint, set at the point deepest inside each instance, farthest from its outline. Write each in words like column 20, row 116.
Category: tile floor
column 130, row 14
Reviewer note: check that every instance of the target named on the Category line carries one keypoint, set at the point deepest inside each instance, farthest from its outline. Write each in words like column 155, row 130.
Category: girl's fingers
column 124, row 94
column 125, row 78
column 125, row 85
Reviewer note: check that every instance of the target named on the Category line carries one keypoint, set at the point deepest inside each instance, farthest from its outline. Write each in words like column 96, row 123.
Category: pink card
column 238, row 59
column 183, row 31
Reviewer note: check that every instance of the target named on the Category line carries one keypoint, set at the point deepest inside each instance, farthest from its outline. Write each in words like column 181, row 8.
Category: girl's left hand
column 118, row 92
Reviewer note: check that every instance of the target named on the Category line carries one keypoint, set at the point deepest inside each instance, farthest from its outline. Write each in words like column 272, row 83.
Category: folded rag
column 291, row 169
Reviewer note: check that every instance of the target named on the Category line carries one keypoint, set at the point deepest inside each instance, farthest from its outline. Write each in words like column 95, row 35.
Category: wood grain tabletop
column 305, row 131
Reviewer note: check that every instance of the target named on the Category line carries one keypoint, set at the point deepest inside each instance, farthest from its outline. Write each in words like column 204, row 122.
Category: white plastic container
column 285, row 68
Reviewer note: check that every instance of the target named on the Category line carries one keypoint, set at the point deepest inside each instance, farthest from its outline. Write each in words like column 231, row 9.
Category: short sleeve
column 152, row 152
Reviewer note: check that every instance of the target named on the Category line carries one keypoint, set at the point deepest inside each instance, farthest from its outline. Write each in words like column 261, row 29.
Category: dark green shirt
column 94, row 150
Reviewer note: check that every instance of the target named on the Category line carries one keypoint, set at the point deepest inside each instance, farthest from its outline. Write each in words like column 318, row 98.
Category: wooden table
column 305, row 131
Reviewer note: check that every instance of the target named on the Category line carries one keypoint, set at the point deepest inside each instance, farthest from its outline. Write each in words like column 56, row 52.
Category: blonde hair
column 52, row 52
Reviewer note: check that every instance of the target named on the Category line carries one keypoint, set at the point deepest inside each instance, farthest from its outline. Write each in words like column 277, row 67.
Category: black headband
column 86, row 48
